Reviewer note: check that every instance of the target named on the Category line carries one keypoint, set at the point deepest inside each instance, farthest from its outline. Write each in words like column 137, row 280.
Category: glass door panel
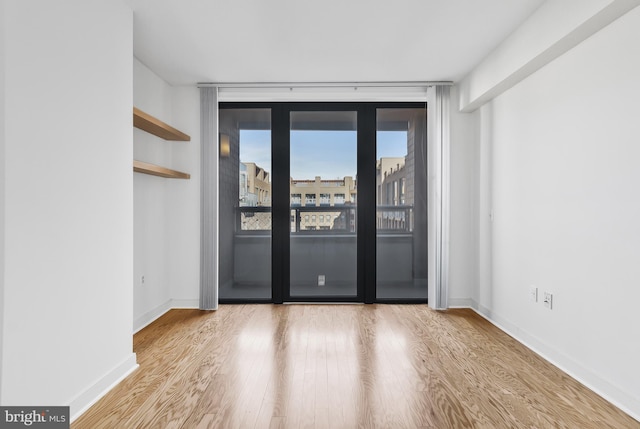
column 401, row 204
column 245, row 204
column 323, row 190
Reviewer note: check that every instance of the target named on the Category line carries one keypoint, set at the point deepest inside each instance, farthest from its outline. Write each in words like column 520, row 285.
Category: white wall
column 166, row 211
column 559, row 169
column 2, row 174
column 151, row 254
column 463, row 265
column 68, row 201
column 184, row 203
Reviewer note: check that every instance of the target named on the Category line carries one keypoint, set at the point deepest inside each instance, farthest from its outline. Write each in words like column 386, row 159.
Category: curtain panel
column 209, row 198
column 439, row 176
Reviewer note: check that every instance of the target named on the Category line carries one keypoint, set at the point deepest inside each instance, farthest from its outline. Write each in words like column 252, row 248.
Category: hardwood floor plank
column 278, row 422
column 342, row 366
column 206, row 422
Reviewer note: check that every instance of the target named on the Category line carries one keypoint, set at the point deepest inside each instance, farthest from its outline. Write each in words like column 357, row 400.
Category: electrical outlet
column 548, row 300
column 533, row 294
column 142, row 280
column 321, row 280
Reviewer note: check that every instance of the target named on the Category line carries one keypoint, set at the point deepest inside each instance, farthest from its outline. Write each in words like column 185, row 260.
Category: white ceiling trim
column 325, row 91
column 354, row 85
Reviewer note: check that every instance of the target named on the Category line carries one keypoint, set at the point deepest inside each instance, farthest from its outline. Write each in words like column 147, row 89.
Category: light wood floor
column 342, row 366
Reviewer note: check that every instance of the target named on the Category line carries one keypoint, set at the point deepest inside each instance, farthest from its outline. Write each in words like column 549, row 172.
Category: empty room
column 338, row 214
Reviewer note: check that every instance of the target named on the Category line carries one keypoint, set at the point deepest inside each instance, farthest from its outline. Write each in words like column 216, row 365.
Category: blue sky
column 328, row 154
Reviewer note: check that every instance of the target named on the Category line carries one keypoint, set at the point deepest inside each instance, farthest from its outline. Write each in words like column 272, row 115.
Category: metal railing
column 331, row 219
column 253, row 219
column 340, row 219
column 394, row 219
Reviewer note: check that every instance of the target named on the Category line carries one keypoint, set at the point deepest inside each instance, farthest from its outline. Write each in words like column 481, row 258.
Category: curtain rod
column 292, row 85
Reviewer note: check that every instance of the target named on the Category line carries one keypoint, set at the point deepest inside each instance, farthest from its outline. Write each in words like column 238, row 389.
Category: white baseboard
column 460, row 303
column 151, row 315
column 91, row 395
column 185, row 303
column 618, row 397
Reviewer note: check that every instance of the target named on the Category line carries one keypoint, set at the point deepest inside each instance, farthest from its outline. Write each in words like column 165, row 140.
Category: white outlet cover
column 533, row 294
column 548, row 300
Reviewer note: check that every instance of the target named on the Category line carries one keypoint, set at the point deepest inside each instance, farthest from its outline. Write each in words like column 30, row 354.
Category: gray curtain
column 439, row 166
column 209, row 198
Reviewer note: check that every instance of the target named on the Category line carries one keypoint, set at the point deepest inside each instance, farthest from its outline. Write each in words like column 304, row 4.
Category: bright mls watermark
column 34, row 417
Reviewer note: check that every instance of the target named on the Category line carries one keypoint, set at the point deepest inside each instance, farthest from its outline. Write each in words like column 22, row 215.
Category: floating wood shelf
column 156, row 170
column 155, row 126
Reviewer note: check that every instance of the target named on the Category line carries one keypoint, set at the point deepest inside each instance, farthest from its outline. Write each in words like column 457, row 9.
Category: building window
column 338, row 199
column 243, row 186
column 395, row 192
column 296, row 199
column 309, row 199
column 325, row 199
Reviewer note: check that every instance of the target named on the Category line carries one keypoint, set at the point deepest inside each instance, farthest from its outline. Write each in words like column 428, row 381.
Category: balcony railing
column 326, row 220
column 394, row 219
column 335, row 219
column 253, row 220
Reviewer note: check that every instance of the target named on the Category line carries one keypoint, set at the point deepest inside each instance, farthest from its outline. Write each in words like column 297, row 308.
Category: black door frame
column 366, row 203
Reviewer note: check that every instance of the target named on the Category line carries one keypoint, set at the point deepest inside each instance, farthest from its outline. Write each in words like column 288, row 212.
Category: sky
column 328, row 154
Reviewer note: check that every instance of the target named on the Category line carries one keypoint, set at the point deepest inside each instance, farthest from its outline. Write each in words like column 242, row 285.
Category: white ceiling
column 190, row 41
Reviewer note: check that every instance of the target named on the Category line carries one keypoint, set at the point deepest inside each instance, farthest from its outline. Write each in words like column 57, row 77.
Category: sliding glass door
column 323, row 194
column 245, row 205
column 323, row 202
column 401, row 204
